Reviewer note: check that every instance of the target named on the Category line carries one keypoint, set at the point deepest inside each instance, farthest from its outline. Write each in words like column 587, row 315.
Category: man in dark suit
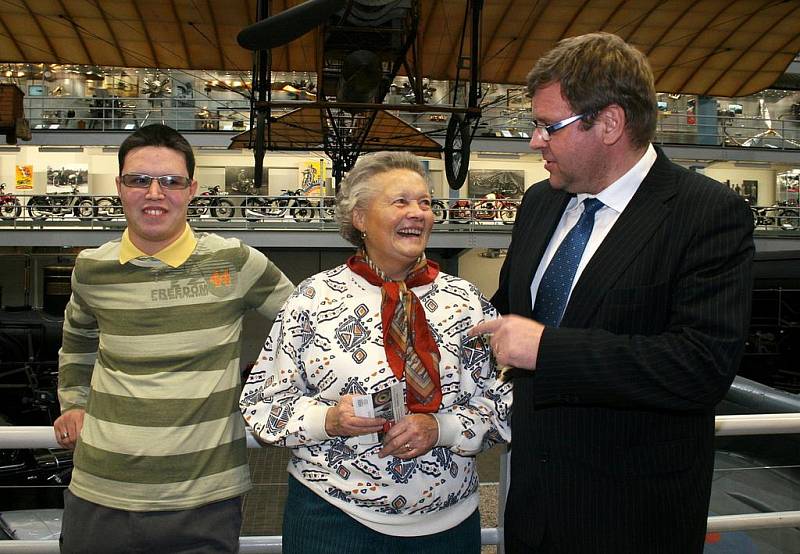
column 622, row 340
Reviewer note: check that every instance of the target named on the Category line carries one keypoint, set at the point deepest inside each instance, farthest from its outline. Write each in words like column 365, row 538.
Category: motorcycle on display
column 460, row 211
column 327, row 209
column 9, row 204
column 212, row 202
column 291, row 202
column 107, row 208
column 439, row 210
column 61, row 204
column 788, row 215
column 494, row 207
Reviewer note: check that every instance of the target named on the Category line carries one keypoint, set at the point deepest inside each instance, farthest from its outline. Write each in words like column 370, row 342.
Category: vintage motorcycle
column 788, row 215
column 61, row 204
column 495, row 206
column 212, row 201
column 107, row 208
column 460, row 211
column 439, row 210
column 292, row 202
column 10, row 207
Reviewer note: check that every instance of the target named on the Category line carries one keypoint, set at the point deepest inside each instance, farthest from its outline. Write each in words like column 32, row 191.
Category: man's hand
column 68, row 427
column 412, row 436
column 514, row 340
column 341, row 420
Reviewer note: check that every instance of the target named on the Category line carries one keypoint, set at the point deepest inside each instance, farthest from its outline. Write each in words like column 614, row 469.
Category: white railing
column 727, row 425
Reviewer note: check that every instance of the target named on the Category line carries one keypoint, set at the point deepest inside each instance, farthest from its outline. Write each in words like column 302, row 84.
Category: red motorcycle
column 494, row 207
column 10, row 207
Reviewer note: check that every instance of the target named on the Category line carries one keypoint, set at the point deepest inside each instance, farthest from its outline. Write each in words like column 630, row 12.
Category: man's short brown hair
column 597, row 70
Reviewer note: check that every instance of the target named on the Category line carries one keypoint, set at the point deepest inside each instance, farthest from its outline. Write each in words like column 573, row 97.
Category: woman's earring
column 363, row 235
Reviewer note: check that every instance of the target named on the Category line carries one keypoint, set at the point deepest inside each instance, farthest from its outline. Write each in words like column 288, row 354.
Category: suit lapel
column 631, row 232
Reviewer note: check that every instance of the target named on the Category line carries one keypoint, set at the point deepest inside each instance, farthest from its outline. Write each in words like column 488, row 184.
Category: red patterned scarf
column 410, row 347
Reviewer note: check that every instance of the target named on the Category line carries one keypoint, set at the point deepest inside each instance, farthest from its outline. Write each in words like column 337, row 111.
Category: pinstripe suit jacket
column 612, row 434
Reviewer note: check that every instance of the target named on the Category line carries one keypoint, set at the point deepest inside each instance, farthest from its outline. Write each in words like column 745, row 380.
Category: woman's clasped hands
column 414, row 435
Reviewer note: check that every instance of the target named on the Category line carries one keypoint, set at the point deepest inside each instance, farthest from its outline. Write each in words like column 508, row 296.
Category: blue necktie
column 553, row 292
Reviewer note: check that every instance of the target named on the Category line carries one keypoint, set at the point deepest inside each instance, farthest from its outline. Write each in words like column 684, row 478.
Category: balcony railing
column 234, row 210
column 731, row 425
column 127, row 113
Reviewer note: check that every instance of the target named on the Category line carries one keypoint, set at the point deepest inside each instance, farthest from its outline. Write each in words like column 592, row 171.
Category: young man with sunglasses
column 149, row 375
column 626, row 298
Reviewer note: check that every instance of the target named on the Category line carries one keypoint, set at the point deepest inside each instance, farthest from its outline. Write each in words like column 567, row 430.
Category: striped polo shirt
column 151, row 350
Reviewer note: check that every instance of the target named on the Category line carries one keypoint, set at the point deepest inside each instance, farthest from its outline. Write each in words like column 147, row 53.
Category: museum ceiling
column 707, row 47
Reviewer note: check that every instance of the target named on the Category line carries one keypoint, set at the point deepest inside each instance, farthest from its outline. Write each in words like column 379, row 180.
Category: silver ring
column 408, row 447
column 65, row 435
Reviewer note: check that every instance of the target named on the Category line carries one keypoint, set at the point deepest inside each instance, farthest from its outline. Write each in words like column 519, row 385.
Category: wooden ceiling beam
column 421, row 32
column 153, row 55
column 11, row 37
column 436, row 5
column 575, row 16
column 181, row 33
column 44, row 35
column 659, row 72
column 636, row 23
column 719, row 49
column 666, row 29
column 215, row 29
column 98, row 6
column 783, row 48
column 492, row 36
column 533, row 19
column 77, row 31
column 611, row 15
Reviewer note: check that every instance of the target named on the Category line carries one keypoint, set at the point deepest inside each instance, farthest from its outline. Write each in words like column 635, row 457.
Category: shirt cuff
column 315, row 422
column 449, row 429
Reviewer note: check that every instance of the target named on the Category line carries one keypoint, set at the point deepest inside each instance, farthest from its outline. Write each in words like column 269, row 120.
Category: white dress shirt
column 615, row 198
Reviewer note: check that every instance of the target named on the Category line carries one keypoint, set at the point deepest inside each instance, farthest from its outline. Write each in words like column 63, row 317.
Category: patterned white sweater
column 328, row 342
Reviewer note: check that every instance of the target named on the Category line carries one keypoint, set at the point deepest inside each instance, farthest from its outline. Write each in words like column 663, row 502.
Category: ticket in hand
column 387, row 403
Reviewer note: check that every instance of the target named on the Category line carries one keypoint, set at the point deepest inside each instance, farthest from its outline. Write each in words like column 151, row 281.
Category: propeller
column 286, row 26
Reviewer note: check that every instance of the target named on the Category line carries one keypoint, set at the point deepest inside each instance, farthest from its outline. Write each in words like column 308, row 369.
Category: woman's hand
column 341, row 421
column 412, row 436
column 68, row 427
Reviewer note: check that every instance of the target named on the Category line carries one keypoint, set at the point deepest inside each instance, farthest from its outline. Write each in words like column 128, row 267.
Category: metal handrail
column 725, row 425
column 214, row 115
column 103, row 209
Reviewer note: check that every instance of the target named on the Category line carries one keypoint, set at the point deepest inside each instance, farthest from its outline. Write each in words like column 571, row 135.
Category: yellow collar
column 173, row 255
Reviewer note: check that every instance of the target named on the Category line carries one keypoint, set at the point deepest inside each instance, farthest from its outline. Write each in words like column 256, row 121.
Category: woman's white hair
column 359, row 187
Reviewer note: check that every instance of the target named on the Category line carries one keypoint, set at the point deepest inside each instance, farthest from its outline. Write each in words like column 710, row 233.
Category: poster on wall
column 68, row 178
column 312, row 177
column 508, row 183
column 24, row 177
column 210, row 177
column 240, row 180
column 750, row 191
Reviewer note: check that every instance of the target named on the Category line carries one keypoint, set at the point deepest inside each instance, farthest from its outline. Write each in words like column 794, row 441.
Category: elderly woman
column 387, row 317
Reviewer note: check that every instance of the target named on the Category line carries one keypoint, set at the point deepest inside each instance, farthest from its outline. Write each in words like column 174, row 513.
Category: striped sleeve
column 267, row 288
column 78, row 351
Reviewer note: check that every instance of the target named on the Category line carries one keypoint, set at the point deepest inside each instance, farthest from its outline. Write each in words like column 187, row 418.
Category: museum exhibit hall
column 279, row 99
